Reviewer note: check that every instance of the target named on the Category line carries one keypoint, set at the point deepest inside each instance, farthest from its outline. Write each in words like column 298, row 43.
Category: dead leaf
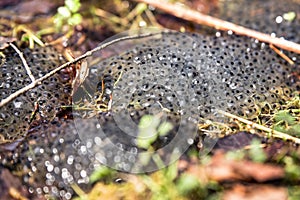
column 222, row 169
column 4, row 42
column 257, row 192
column 11, row 186
column 81, row 73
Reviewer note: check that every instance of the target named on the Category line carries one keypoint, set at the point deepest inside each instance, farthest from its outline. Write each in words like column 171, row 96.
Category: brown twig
column 87, row 54
column 23, row 61
column 280, row 53
column 195, row 16
column 272, row 133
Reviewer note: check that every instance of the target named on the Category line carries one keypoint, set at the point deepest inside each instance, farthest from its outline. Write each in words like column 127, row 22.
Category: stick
column 280, row 53
column 274, row 133
column 87, row 54
column 195, row 16
column 23, row 61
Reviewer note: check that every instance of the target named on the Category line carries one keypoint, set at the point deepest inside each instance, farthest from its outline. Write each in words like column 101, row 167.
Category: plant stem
column 197, row 17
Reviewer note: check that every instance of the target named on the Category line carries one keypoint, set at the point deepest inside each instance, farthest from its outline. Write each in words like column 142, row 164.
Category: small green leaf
column 75, row 19
column 235, row 155
column 58, row 21
column 145, row 121
column 284, row 115
column 291, row 168
column 164, row 128
column 295, row 130
column 146, row 142
column 73, row 5
column 100, row 173
column 25, row 38
column 187, row 183
column 256, row 153
column 147, row 131
column 290, row 16
column 280, row 128
column 64, row 12
column 172, row 171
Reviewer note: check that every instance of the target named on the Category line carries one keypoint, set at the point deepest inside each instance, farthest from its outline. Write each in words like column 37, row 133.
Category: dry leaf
column 257, row 192
column 222, row 169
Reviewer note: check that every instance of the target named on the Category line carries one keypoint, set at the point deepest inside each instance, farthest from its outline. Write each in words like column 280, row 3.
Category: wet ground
column 51, row 140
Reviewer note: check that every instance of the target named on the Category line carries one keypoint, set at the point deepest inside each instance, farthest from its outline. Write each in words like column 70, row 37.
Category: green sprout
column 256, row 153
column 150, row 128
column 235, row 155
column 187, row 183
column 286, row 122
column 101, row 173
column 68, row 14
column 292, row 169
column 284, row 115
column 289, row 16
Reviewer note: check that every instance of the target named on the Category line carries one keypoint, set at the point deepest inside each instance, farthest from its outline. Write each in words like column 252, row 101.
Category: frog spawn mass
column 186, row 77
column 274, row 22
column 191, row 76
column 67, row 159
column 40, row 103
column 197, row 75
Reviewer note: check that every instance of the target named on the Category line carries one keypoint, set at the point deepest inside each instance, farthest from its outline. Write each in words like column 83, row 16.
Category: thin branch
column 273, row 133
column 87, row 54
column 195, row 16
column 23, row 61
column 280, row 53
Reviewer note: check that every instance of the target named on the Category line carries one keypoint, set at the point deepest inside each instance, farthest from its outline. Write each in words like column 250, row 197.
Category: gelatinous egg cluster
column 52, row 168
column 187, row 77
column 68, row 158
column 41, row 102
column 271, row 17
column 197, row 75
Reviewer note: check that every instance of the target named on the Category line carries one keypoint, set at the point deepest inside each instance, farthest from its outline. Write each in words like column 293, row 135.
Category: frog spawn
column 210, row 73
column 239, row 82
column 41, row 102
column 268, row 19
column 194, row 82
column 48, row 166
column 69, row 158
column 191, row 76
